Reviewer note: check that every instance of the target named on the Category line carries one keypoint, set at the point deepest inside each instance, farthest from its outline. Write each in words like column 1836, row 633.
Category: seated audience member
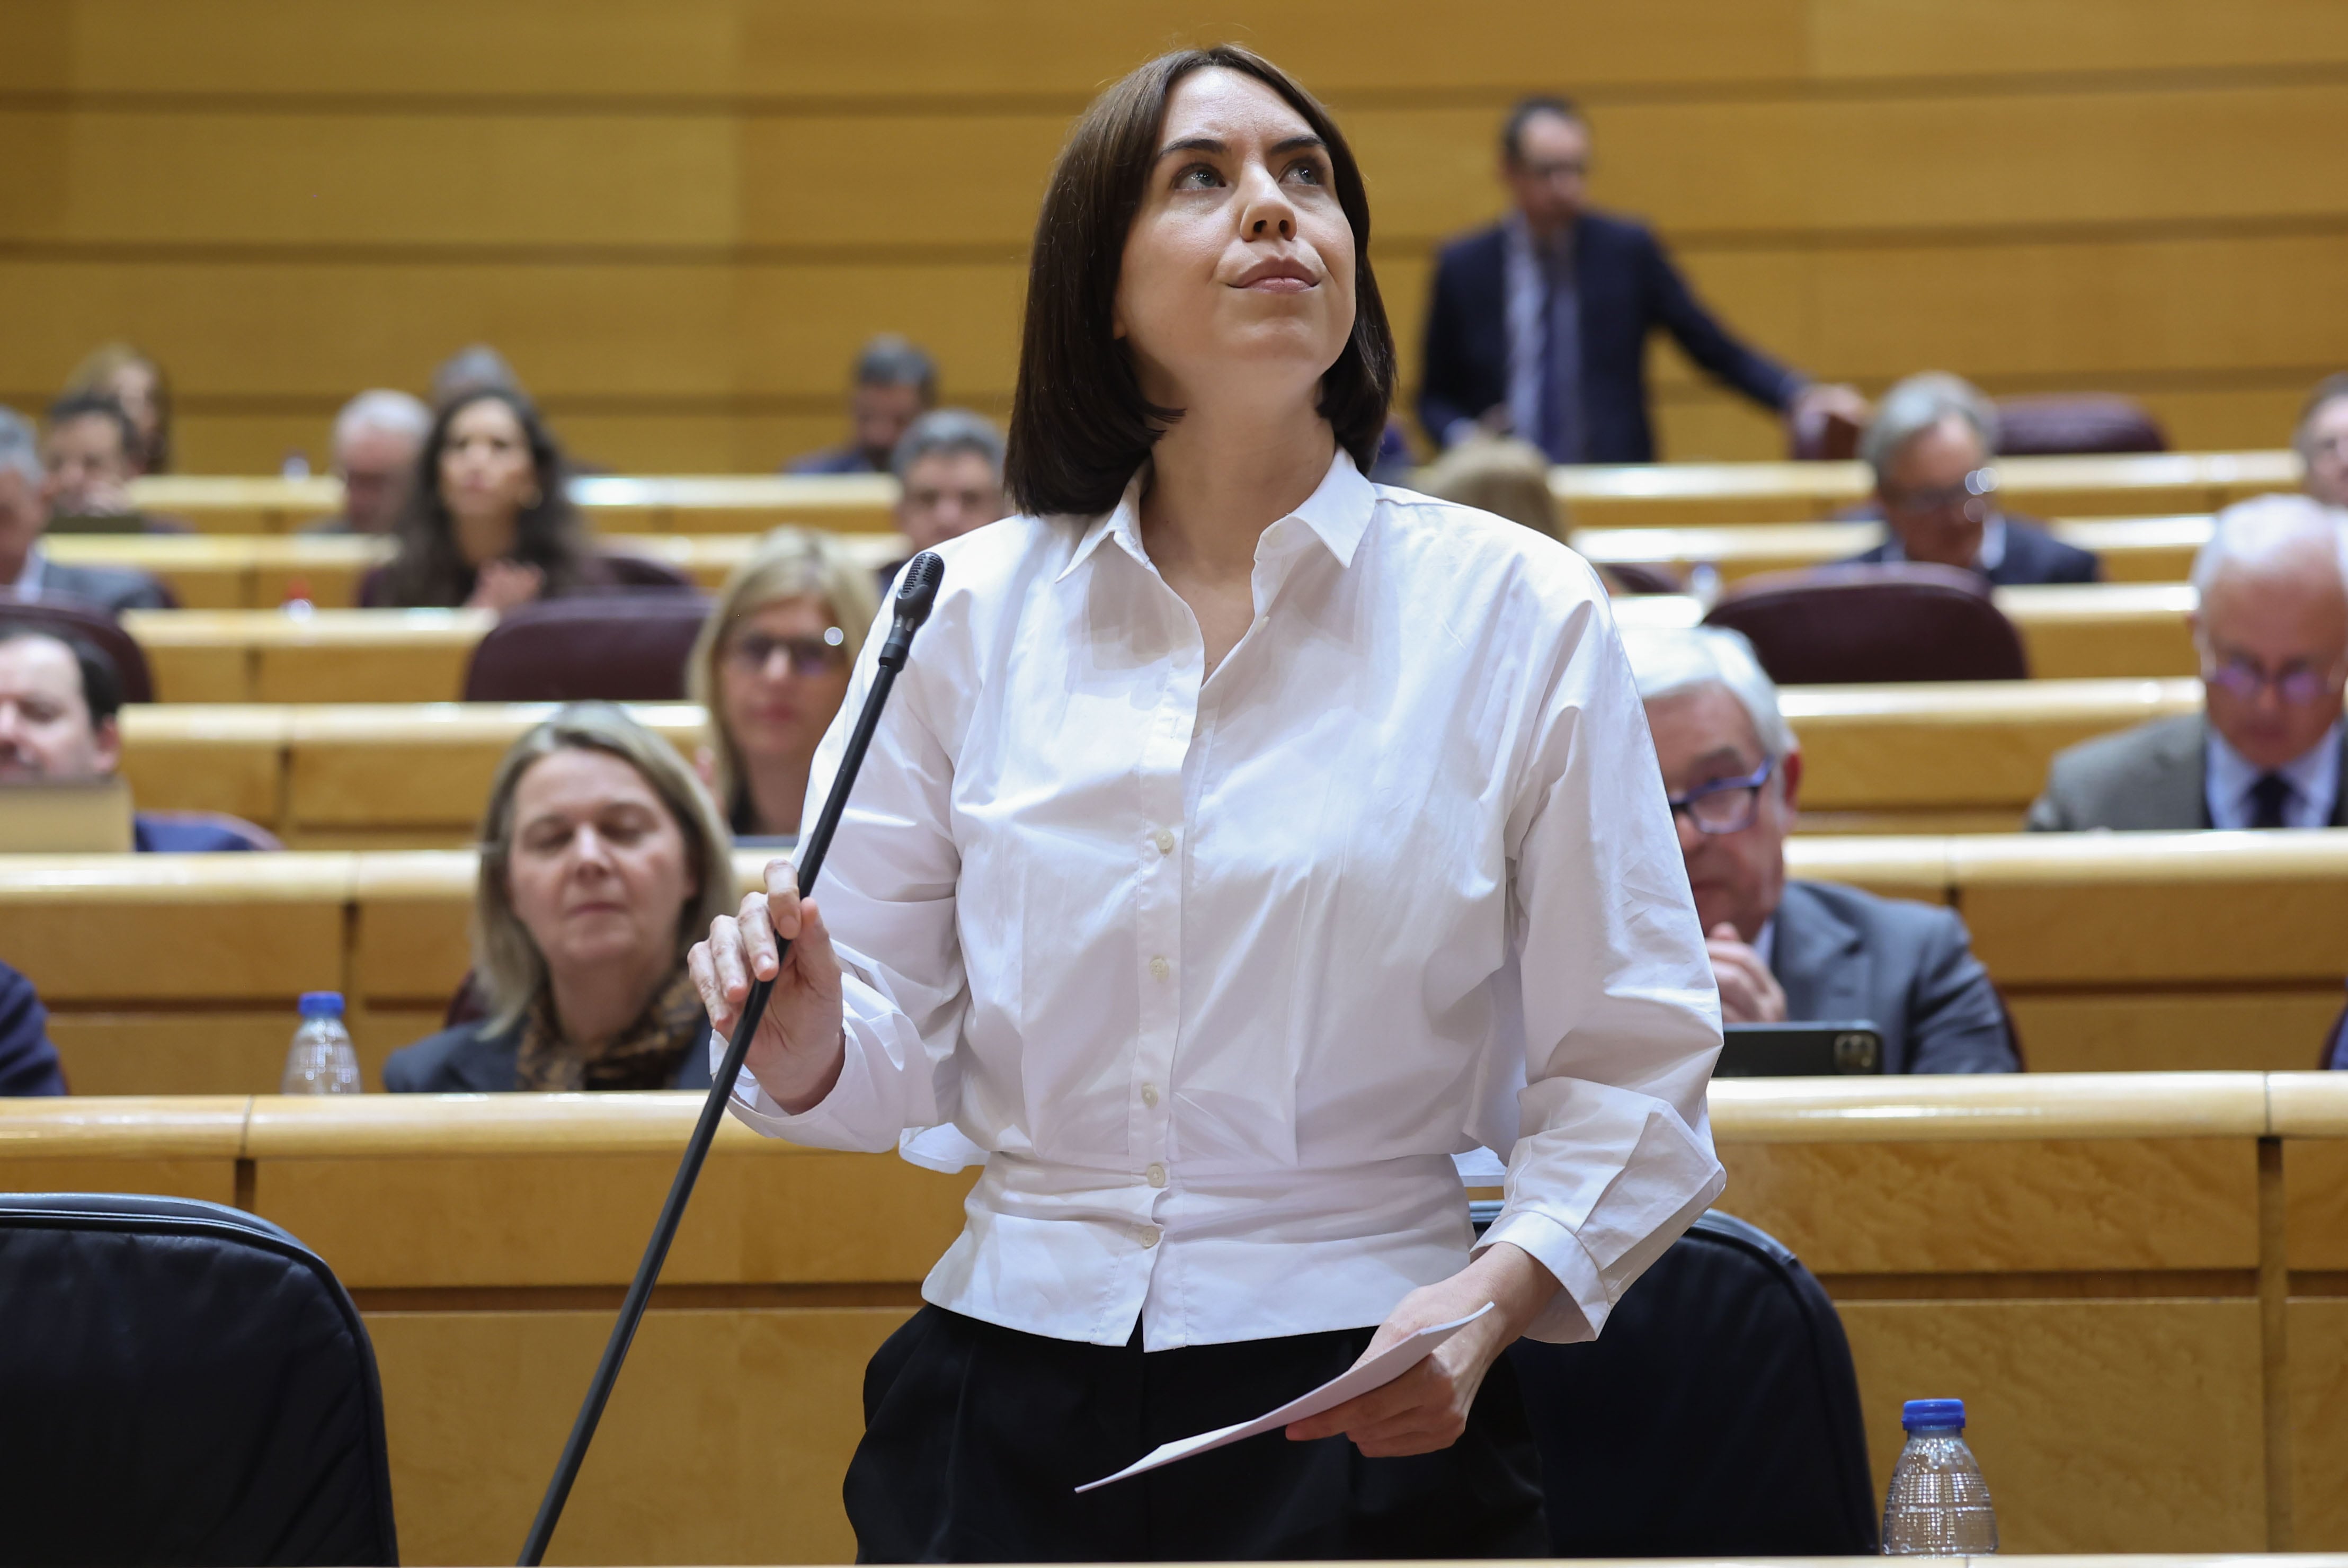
column 59, row 705
column 476, row 368
column 488, row 522
column 25, row 568
column 1498, row 474
column 378, row 438
column 28, row 1063
column 601, row 863
column 135, row 384
column 949, row 468
column 2266, row 750
column 894, row 384
column 92, row 454
column 2322, row 440
column 1797, row 951
column 1930, row 446
column 771, row 667
column 1539, row 324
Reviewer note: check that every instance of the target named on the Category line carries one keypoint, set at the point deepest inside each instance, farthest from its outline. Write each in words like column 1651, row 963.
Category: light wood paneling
column 2111, row 1031
column 2315, row 1178
column 2319, row 1413
column 183, row 1054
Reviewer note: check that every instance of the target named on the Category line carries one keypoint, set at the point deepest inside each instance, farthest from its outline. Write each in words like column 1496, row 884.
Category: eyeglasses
column 1726, row 805
column 752, row 652
column 2243, row 677
column 1973, row 493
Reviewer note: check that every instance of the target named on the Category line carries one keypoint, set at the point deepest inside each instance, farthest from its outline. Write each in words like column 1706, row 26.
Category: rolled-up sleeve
column 1614, row 1157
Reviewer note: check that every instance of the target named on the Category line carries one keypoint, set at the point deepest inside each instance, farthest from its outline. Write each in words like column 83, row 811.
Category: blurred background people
column 1784, row 949
column 2271, row 628
column 949, row 468
column 489, row 523
column 2322, row 441
column 91, row 451
column 25, row 568
column 476, row 368
column 1500, row 474
column 29, row 1062
column 893, row 383
column 137, row 386
column 771, row 667
column 60, row 701
column 378, row 437
column 602, row 862
column 1930, row 447
column 1539, row 324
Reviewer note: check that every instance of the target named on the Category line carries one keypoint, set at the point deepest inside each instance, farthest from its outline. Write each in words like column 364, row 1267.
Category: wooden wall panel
column 2318, row 1334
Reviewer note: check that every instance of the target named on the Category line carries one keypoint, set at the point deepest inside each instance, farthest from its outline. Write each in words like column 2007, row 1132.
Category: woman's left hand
column 1426, row 1408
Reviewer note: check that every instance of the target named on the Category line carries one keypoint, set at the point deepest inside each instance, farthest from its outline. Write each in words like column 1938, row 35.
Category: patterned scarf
column 645, row 1054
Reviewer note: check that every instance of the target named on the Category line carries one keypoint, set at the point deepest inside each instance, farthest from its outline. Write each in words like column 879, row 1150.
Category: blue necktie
column 1561, row 432
column 2269, row 796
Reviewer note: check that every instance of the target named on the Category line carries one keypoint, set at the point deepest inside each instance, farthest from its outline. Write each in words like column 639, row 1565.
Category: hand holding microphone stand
column 917, row 589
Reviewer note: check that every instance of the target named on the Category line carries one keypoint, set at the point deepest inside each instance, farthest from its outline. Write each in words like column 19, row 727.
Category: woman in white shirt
column 1241, row 841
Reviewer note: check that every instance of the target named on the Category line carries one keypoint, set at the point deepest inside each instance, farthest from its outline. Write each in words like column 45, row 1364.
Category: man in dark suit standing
column 1930, row 446
column 1795, row 951
column 25, row 569
column 1538, row 326
column 2267, row 750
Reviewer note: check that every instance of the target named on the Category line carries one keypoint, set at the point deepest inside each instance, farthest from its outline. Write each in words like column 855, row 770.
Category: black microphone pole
column 918, row 587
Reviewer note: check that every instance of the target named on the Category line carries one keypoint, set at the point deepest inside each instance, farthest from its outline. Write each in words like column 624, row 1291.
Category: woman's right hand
column 501, row 585
column 800, row 1047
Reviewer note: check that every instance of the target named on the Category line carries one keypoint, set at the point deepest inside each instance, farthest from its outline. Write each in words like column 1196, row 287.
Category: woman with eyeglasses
column 771, row 667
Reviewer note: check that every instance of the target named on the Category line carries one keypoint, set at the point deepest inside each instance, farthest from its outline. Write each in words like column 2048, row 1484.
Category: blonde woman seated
column 771, row 667
column 602, row 861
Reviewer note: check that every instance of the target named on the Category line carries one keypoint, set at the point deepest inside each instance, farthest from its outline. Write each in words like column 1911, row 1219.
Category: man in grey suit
column 25, row 568
column 1795, row 951
column 2267, row 750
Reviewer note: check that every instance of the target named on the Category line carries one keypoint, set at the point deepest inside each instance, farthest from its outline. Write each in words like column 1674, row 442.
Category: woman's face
column 781, row 675
column 487, row 474
column 1238, row 269
column 599, row 874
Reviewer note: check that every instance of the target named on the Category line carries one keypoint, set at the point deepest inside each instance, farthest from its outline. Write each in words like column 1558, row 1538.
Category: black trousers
column 976, row 1438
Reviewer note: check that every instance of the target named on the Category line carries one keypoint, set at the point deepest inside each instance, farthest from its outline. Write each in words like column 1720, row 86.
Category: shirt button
column 1150, row 1094
column 1159, row 969
column 1164, row 841
column 1146, row 1236
column 1154, row 1175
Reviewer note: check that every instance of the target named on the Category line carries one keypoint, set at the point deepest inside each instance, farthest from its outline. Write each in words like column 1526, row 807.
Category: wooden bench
column 2132, row 549
column 2132, row 1281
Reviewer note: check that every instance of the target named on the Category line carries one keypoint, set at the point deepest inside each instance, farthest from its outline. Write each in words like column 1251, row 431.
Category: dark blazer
column 1627, row 287
column 2153, row 778
column 1907, row 968
column 28, row 1063
column 2031, row 555
column 470, row 1059
column 845, row 458
column 113, row 589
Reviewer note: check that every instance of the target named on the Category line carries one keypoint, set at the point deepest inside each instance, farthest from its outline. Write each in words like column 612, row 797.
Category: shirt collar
column 1764, row 945
column 1337, row 513
column 1986, row 559
column 2314, row 776
column 28, row 580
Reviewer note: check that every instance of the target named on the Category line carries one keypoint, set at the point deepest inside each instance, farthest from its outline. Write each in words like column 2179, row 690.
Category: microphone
column 917, row 589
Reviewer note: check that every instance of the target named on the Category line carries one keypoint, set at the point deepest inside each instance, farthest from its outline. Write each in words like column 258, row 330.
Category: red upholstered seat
column 619, row 647
column 1865, row 624
column 2041, row 425
column 70, row 617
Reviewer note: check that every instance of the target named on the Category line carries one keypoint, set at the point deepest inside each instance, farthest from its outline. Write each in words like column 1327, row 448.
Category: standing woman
column 489, row 522
column 1243, row 841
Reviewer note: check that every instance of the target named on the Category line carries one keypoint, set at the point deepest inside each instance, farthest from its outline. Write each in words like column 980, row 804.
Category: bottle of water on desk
column 322, row 1060
column 1939, row 1504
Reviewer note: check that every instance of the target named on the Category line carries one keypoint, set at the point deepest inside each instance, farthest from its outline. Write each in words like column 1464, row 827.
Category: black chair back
column 181, row 1383
column 1717, row 1416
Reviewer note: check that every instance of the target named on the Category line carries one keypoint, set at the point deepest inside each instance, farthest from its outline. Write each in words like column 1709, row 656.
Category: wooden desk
column 2132, row 549
column 2122, row 1276
column 612, row 503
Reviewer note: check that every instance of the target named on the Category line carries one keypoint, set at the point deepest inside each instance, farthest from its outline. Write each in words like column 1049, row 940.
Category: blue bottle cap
column 322, row 1004
column 1933, row 1414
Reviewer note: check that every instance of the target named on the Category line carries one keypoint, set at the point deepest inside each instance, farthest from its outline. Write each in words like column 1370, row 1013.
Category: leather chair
column 1717, row 1416
column 2064, row 423
column 608, row 572
column 184, row 1384
column 621, row 647
column 1869, row 624
column 70, row 617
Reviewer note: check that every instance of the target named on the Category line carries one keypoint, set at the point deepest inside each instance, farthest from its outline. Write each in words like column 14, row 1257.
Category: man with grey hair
column 25, row 568
column 1929, row 447
column 949, row 468
column 1797, row 951
column 894, row 384
column 2266, row 750
column 376, row 439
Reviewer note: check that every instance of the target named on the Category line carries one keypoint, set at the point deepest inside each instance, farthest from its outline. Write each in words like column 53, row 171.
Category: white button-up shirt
column 1222, row 970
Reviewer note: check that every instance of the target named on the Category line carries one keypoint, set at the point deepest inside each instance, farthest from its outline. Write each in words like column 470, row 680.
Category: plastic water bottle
column 297, row 599
column 322, row 1060
column 1939, row 1504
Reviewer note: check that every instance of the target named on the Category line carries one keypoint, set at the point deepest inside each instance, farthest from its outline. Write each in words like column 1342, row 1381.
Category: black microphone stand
column 918, row 588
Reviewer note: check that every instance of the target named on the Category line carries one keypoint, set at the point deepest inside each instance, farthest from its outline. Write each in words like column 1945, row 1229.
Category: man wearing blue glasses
column 2266, row 750
column 1797, row 951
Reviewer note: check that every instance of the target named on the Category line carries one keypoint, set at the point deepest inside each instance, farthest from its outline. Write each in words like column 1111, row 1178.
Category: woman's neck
column 481, row 540
column 594, row 1005
column 776, row 793
column 1221, row 475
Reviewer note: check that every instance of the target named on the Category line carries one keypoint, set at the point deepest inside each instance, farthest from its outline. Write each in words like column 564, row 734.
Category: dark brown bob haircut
column 1079, row 424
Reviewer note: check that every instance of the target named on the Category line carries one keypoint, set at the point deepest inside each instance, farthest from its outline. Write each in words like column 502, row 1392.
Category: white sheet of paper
column 1375, row 1373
